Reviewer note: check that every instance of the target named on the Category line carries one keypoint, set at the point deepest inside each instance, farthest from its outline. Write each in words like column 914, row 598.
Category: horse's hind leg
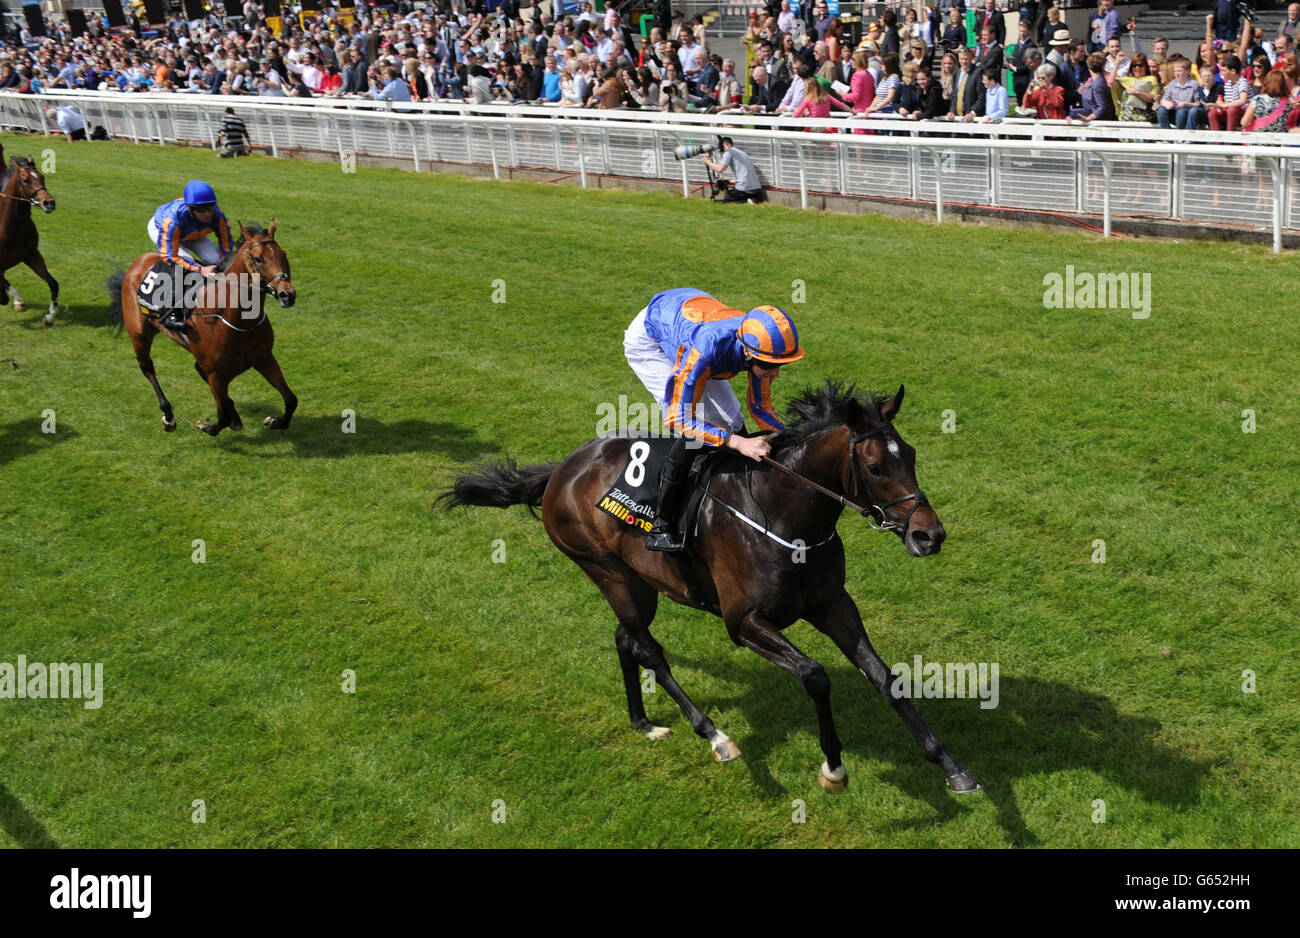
column 634, row 603
column 142, row 343
column 270, row 370
column 842, row 622
column 37, row 263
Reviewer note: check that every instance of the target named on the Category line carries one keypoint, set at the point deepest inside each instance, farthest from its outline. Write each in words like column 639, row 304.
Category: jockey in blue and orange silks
column 685, row 346
column 180, row 231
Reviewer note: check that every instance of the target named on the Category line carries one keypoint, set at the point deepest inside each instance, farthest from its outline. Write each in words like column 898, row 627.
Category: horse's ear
column 271, row 230
column 889, row 409
column 243, row 232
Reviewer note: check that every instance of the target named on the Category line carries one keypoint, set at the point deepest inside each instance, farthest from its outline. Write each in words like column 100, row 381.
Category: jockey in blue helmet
column 685, row 346
column 180, row 232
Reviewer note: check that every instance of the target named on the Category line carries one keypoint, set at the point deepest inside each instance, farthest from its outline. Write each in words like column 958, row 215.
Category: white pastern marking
column 836, row 776
column 659, row 732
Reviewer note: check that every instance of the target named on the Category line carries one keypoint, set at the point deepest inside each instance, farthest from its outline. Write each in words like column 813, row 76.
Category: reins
column 267, row 287
column 876, row 514
column 19, row 198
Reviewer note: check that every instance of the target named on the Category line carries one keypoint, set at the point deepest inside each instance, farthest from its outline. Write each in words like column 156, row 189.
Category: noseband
column 268, row 285
column 860, row 483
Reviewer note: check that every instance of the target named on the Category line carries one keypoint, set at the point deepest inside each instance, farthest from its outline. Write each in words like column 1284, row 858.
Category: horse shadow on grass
column 324, row 437
column 23, row 437
column 1038, row 727
column 75, row 314
column 19, row 824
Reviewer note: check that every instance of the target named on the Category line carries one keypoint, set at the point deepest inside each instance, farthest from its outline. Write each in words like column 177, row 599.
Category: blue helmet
column 198, row 192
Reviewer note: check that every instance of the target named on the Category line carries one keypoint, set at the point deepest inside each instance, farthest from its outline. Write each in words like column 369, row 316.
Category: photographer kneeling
column 747, row 187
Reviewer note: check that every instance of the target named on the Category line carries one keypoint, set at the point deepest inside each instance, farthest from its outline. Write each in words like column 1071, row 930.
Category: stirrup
column 661, row 537
column 174, row 320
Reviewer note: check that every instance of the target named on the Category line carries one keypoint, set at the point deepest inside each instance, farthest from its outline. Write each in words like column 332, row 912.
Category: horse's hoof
column 963, row 782
column 48, row 319
column 207, row 426
column 20, row 306
column 724, row 749
column 833, row 782
column 169, row 425
column 236, row 425
column 658, row 732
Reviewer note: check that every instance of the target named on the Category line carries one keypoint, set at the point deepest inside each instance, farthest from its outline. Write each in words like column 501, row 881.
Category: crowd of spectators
column 801, row 66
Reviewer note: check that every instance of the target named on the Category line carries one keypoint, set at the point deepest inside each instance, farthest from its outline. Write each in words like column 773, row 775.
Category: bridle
column 267, row 285
column 31, row 199
column 859, row 481
column 876, row 512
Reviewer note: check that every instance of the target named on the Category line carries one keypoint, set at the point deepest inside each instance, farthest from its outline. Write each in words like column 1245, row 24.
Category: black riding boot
column 662, row 536
column 174, row 319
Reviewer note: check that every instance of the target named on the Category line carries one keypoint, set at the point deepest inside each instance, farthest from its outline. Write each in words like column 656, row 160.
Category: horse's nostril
column 921, row 538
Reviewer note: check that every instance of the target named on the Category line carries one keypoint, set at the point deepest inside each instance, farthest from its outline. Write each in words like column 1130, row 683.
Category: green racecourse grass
column 479, row 681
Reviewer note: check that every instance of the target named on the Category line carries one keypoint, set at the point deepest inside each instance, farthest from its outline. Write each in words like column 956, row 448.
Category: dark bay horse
column 23, row 186
column 840, row 439
column 225, row 337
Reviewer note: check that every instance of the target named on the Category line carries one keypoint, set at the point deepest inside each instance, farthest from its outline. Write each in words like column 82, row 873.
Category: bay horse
column 23, row 186
column 225, row 339
column 745, row 570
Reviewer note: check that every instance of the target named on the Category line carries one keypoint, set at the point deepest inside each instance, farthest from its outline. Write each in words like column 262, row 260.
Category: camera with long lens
column 1243, row 9
column 688, row 150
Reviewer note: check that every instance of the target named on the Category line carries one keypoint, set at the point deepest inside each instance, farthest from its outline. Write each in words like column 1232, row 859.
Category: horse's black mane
column 830, row 405
column 253, row 228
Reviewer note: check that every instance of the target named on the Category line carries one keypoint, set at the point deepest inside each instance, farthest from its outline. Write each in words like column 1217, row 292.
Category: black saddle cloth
column 634, row 498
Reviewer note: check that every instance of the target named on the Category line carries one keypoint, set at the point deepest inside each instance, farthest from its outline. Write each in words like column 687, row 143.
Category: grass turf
column 481, row 683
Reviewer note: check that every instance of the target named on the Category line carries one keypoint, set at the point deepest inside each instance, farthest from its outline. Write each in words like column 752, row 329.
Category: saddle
column 167, row 292
column 634, row 499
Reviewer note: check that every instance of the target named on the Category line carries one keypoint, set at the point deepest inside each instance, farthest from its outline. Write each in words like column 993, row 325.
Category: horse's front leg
column 12, row 291
column 766, row 640
column 219, row 383
column 269, row 368
column 841, row 621
column 37, row 263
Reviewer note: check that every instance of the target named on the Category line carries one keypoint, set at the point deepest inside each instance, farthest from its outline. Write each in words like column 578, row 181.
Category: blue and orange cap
column 769, row 335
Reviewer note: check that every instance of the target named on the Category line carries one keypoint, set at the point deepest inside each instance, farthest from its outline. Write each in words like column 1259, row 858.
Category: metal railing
column 1246, row 180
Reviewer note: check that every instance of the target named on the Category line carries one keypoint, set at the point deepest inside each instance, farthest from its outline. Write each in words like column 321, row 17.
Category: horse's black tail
column 114, row 285
column 500, row 486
